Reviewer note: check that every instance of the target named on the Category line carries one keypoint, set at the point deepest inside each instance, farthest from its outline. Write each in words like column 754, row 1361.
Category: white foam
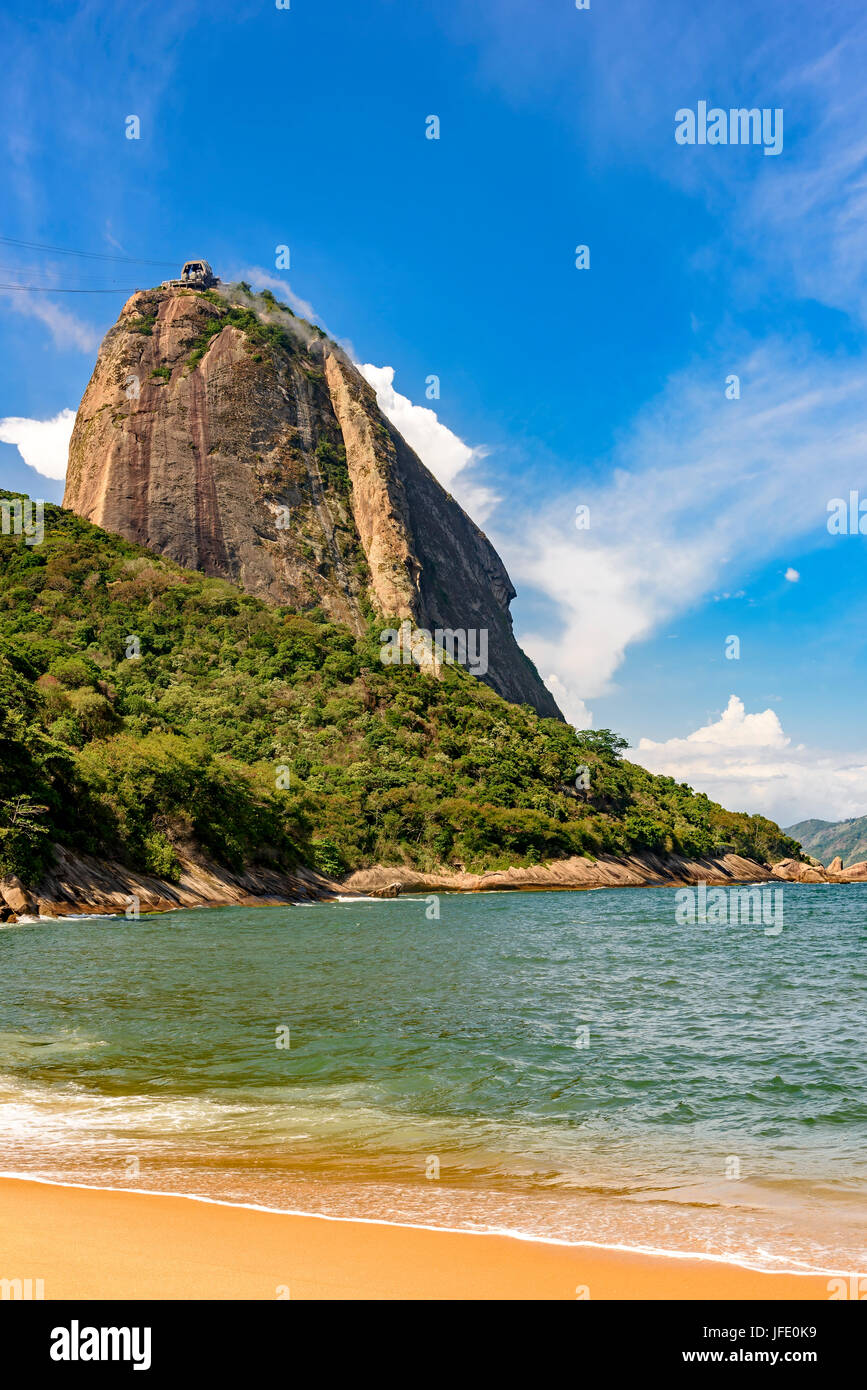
column 653, row 1251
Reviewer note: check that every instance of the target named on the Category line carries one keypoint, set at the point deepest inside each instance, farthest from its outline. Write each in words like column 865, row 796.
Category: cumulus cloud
column 43, row 444
column 792, row 575
column 746, row 761
column 572, row 705
column 735, row 729
column 448, row 457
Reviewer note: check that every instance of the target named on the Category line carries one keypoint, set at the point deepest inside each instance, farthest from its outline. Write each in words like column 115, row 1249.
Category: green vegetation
column 269, row 335
column 144, row 323
column 273, row 303
column 164, row 373
column 144, row 708
column 22, row 827
column 253, row 322
column 333, row 467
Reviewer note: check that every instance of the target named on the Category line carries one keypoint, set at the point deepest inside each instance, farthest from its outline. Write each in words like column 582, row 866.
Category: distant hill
column 825, row 839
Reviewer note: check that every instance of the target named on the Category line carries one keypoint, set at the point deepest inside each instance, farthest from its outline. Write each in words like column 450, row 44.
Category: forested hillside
column 146, row 708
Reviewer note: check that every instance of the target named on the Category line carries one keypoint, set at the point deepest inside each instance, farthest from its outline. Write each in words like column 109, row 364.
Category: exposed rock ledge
column 78, row 883
column 796, row 871
column 633, row 870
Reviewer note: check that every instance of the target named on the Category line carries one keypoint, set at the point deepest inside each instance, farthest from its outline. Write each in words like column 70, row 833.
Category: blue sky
column 456, row 257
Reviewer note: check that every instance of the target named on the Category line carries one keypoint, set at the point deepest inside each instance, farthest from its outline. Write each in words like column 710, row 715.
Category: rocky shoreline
column 79, row 885
column 639, row 870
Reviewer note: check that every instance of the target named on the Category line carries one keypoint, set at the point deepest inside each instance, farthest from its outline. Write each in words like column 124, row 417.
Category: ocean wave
column 28, row 1048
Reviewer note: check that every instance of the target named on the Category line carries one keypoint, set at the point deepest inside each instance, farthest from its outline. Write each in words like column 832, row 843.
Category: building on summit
column 196, row 275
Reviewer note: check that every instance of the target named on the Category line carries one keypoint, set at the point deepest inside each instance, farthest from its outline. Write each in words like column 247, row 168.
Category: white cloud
column 572, row 705
column 699, row 492
column 802, row 219
column 439, row 448
column 746, row 761
column 800, row 216
column 66, row 330
column 813, row 214
column 792, row 575
column 43, row 444
column 259, row 278
column 735, row 729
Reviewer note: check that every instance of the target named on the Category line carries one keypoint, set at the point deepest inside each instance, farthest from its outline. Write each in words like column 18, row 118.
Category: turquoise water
column 437, row 1070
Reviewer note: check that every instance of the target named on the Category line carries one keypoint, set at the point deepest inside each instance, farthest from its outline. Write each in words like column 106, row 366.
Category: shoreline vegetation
column 97, row 1243
column 183, row 742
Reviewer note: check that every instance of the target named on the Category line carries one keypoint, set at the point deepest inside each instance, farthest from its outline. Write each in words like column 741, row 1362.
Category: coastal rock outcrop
column 634, row 870
column 812, row 871
column 388, row 890
column 856, row 873
column 18, row 901
column 79, row 883
column 233, row 437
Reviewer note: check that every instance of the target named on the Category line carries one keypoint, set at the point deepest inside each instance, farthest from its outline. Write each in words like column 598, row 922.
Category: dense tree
column 144, row 707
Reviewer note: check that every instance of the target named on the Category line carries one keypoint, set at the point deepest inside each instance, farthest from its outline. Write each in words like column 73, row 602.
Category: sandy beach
column 90, row 1243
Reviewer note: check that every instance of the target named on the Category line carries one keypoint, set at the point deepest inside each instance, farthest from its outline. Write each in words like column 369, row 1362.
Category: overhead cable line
column 39, row 270
column 57, row 289
column 88, row 255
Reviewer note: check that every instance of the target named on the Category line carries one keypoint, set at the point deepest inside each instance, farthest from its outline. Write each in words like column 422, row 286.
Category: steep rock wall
column 248, row 446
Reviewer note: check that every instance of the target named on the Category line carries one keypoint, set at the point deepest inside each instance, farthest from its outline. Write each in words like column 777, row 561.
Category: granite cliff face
column 236, row 439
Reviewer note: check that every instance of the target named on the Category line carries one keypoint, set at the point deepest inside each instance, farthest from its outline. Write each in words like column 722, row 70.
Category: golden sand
column 90, row 1243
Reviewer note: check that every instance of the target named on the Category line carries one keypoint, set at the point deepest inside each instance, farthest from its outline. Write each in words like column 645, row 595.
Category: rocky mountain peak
column 226, row 433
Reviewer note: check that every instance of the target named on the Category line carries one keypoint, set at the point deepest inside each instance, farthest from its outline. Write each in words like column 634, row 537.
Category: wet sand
column 90, row 1243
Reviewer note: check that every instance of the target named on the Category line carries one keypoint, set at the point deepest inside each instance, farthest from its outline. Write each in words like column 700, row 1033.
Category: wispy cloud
column 801, row 223
column 701, row 489
column 67, row 330
column 259, row 278
column 813, row 216
column 800, row 220
column 111, row 238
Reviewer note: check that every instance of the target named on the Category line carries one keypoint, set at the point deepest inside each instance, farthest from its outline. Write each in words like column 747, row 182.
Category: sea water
column 575, row 1066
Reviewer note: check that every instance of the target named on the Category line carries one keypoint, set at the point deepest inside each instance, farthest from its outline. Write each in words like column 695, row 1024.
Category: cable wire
column 88, row 255
column 57, row 289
